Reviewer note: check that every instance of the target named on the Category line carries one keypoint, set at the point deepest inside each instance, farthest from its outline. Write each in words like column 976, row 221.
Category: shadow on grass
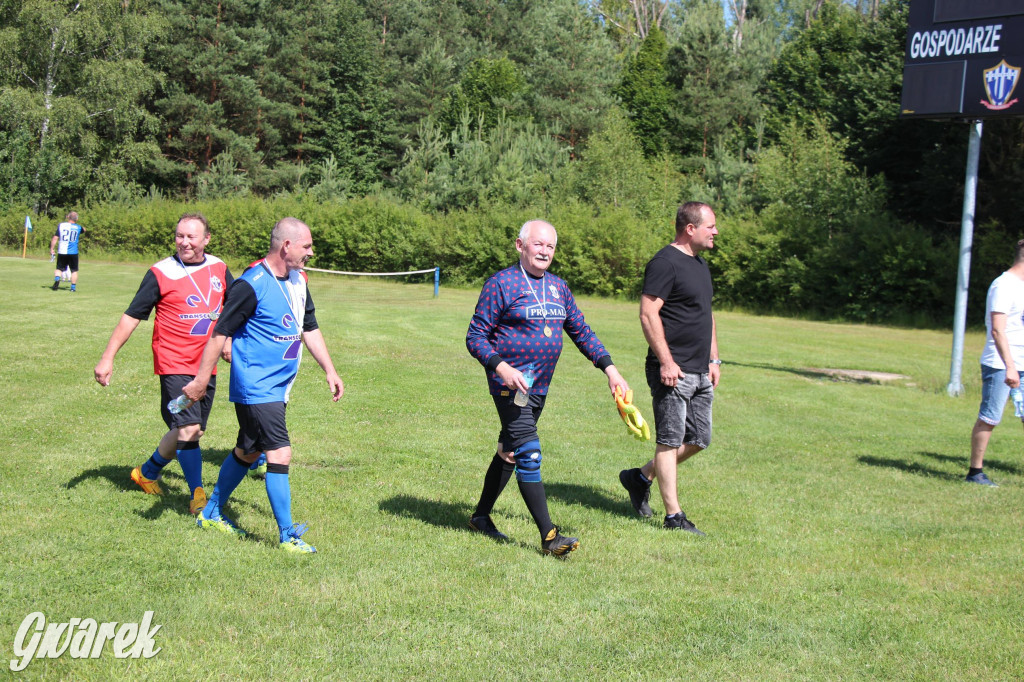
column 571, row 493
column 791, row 370
column 962, row 460
column 119, row 475
column 451, row 515
column 175, row 497
column 909, row 467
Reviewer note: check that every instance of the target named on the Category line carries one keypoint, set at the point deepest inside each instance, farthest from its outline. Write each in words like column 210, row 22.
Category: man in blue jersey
column 268, row 315
column 64, row 246
column 517, row 326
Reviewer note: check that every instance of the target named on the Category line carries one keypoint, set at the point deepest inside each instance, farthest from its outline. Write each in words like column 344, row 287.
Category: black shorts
column 170, row 388
column 518, row 424
column 67, row 260
column 261, row 427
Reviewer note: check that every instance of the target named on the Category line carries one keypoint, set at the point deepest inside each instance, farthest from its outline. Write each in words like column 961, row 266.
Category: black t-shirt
column 684, row 283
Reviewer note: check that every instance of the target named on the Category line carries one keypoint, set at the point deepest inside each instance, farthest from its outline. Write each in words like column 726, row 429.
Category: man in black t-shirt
column 682, row 363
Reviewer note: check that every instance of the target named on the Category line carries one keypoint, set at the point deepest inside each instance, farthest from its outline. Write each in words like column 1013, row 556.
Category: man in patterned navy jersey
column 268, row 314
column 518, row 322
column 187, row 290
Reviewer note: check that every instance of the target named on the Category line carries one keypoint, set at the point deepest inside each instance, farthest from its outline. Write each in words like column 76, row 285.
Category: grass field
column 842, row 542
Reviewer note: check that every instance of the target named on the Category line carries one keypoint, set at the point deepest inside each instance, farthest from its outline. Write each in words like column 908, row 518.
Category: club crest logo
column 1000, row 82
column 554, row 291
column 216, row 284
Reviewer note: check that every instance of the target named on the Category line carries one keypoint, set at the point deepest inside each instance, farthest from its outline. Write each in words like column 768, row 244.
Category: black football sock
column 537, row 502
column 495, row 481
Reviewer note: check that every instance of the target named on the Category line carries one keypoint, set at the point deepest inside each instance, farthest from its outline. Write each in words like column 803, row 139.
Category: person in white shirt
column 1002, row 360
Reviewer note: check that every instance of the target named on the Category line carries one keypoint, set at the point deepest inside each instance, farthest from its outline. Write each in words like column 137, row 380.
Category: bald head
column 291, row 246
column 287, row 229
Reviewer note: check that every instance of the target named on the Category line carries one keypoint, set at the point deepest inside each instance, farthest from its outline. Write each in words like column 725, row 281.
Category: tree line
column 780, row 113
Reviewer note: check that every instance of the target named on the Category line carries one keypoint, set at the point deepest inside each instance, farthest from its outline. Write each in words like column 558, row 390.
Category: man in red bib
column 187, row 290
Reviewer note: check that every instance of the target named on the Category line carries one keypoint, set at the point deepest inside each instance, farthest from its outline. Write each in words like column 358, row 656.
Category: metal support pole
column 963, row 275
column 437, row 280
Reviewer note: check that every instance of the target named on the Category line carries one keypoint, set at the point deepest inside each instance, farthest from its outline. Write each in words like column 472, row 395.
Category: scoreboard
column 964, row 59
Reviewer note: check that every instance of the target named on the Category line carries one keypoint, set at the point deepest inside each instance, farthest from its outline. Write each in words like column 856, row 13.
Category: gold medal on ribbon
column 547, row 331
column 214, row 316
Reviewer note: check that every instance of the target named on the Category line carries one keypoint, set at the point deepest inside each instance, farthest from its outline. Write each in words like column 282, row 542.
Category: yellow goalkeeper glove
column 635, row 423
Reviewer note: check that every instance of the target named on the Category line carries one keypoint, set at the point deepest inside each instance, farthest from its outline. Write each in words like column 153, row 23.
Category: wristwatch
column 716, row 361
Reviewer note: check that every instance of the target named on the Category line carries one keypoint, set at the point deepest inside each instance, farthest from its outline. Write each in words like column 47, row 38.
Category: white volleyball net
column 374, row 288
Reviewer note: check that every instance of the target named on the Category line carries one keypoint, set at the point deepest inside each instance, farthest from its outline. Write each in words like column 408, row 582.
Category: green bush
column 861, row 267
column 12, row 229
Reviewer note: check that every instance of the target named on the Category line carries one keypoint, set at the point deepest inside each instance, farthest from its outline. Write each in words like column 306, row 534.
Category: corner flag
column 28, row 224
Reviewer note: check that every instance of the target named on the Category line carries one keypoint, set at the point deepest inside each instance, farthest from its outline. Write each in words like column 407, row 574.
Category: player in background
column 518, row 321
column 268, row 315
column 1002, row 358
column 187, row 290
column 65, row 245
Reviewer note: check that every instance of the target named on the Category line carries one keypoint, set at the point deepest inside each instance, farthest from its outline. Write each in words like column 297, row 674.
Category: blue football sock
column 72, row 287
column 190, row 457
column 154, row 465
column 280, row 494
column 232, row 471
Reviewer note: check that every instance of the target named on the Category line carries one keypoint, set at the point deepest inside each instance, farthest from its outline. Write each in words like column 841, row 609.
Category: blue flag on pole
column 28, row 224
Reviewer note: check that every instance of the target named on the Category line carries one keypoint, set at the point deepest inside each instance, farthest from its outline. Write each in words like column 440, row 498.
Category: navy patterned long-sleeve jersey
column 509, row 324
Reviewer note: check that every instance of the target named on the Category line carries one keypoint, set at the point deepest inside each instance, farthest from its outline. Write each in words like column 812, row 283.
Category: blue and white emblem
column 1000, row 82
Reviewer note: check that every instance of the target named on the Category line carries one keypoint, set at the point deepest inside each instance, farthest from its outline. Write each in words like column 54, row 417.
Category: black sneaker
column 56, row 284
column 680, row 522
column 483, row 524
column 639, row 492
column 557, row 544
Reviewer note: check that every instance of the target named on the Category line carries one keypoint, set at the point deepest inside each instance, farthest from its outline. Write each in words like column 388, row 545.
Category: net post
column 437, row 280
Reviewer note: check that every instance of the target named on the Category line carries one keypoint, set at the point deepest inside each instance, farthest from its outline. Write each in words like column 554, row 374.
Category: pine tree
column 715, row 96
column 488, row 88
column 569, row 64
column 646, row 95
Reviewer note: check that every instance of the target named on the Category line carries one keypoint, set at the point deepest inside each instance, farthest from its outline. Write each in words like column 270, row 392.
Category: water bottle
column 522, row 398
column 180, row 403
column 1017, row 394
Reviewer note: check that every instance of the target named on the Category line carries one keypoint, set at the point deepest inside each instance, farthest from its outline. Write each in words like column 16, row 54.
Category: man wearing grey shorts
column 682, row 362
